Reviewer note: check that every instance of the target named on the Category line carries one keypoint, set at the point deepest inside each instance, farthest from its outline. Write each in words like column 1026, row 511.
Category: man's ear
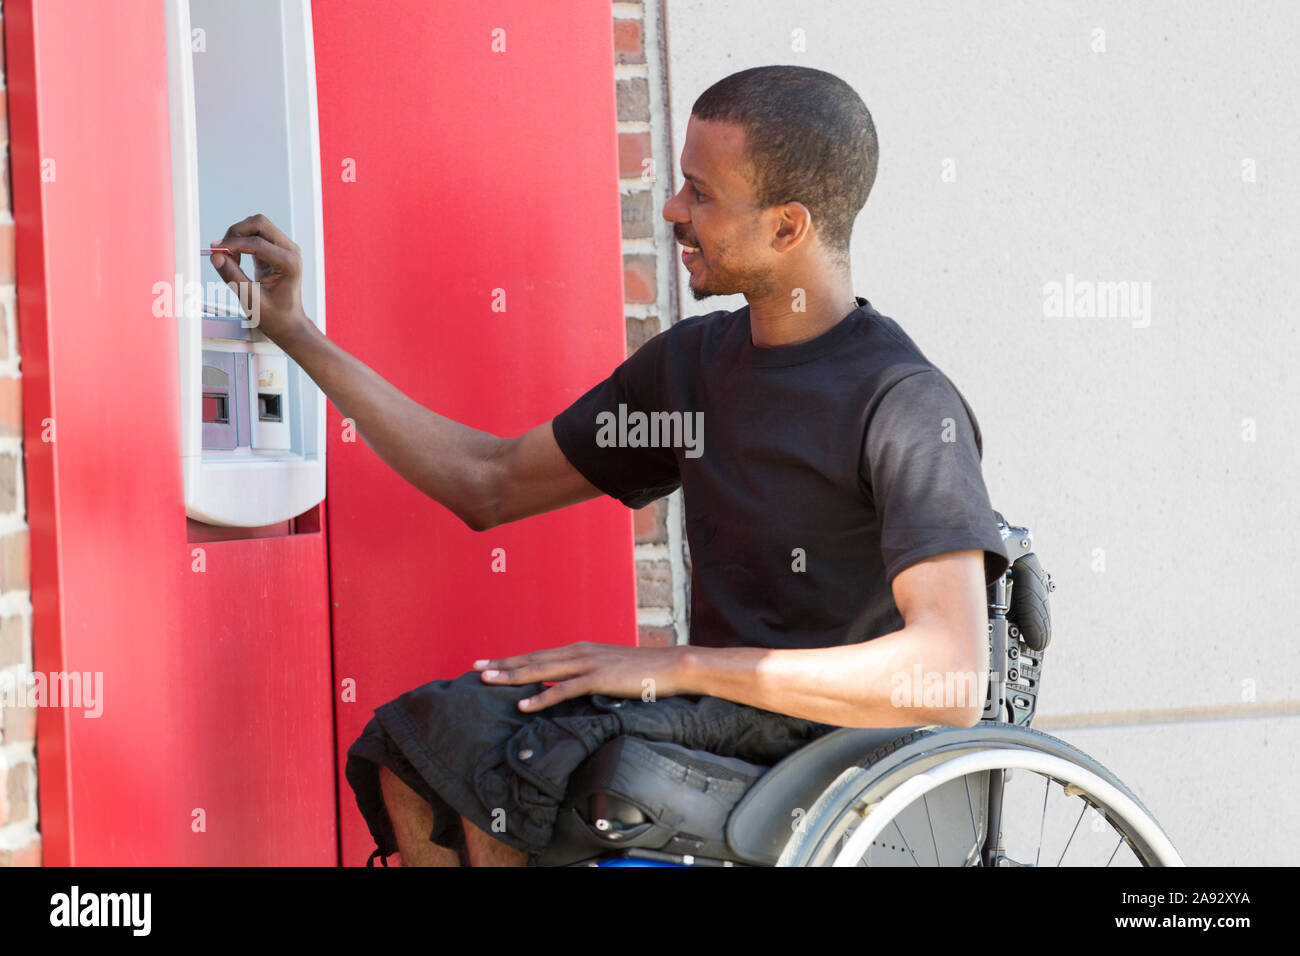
column 795, row 226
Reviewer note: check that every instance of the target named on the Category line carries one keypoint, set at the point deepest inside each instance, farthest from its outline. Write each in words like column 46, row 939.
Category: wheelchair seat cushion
column 638, row 793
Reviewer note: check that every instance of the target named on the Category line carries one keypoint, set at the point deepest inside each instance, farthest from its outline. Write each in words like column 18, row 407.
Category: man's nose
column 670, row 209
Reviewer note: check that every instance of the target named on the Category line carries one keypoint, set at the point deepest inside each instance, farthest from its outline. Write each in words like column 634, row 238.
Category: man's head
column 778, row 162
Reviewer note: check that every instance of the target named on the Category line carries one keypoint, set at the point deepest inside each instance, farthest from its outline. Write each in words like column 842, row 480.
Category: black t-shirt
column 811, row 473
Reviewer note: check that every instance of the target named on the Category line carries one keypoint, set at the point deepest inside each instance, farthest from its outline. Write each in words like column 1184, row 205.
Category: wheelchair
column 996, row 794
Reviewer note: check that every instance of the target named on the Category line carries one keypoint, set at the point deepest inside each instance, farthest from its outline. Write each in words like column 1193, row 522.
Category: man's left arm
column 890, row 681
column 931, row 671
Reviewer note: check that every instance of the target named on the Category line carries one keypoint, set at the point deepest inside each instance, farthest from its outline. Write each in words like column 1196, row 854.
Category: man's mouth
column 689, row 253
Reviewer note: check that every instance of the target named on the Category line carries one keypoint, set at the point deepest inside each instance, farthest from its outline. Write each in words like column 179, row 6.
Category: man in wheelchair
column 840, row 531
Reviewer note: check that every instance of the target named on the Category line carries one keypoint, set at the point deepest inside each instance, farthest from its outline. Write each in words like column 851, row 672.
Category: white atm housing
column 242, row 82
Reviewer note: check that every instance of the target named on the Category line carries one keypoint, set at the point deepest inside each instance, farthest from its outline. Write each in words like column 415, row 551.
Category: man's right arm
column 483, row 479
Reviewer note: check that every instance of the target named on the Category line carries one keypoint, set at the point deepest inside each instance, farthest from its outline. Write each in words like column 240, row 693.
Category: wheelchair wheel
column 932, row 797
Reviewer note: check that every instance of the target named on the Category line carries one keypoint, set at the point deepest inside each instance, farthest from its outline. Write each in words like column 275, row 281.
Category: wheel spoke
column 906, row 845
column 1047, row 785
column 1002, row 795
column 1116, row 850
column 974, row 827
column 1072, row 832
column 930, row 821
column 971, row 807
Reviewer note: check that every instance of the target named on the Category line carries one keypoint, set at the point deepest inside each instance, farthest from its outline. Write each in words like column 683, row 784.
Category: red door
column 483, row 145
column 211, row 659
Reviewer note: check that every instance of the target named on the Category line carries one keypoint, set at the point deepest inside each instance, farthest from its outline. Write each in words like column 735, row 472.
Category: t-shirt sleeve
column 921, row 461
column 634, row 475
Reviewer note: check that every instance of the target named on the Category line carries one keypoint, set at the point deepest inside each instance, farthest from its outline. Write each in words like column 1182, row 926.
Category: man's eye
column 699, row 195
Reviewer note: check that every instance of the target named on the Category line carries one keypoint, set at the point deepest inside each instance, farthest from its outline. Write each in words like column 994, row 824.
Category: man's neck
column 788, row 319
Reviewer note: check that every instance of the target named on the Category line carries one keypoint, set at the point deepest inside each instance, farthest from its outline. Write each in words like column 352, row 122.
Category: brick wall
column 20, row 842
column 645, row 183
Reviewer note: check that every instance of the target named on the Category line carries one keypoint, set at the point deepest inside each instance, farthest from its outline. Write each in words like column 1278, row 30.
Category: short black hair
column 809, row 138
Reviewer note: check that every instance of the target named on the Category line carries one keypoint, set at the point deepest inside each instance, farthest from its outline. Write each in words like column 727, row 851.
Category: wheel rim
column 1148, row 842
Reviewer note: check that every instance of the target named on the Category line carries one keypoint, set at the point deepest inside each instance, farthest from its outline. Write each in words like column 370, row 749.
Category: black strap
column 370, row 860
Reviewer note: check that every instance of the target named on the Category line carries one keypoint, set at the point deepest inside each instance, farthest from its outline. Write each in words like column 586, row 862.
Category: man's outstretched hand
column 276, row 305
column 587, row 668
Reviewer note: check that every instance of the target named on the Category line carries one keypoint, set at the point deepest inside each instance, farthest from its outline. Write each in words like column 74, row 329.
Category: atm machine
column 242, row 83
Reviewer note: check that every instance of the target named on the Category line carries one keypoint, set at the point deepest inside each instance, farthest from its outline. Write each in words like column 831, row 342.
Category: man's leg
column 485, row 850
column 412, row 819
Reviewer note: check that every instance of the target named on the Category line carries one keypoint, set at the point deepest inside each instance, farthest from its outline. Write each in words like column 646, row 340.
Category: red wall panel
column 475, row 170
column 216, row 685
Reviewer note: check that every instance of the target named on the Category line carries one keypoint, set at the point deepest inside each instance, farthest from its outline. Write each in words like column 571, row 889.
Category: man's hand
column 276, row 304
column 587, row 668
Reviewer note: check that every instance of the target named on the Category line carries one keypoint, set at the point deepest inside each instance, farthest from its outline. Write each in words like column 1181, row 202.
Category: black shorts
column 466, row 748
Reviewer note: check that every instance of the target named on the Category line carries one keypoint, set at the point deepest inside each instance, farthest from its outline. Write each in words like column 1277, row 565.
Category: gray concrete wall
column 1150, row 446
